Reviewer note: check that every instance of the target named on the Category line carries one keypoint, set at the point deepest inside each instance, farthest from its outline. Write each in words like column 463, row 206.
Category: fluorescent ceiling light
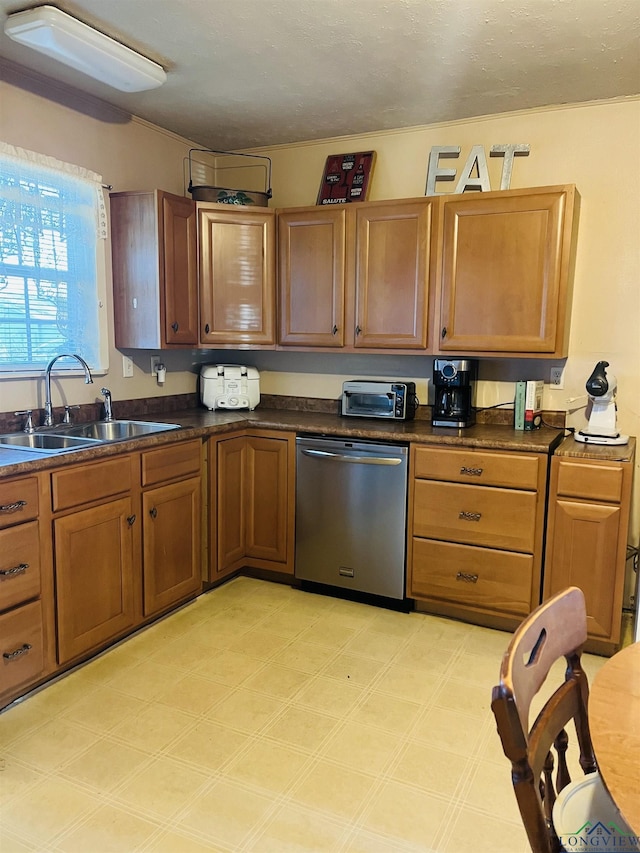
column 56, row 34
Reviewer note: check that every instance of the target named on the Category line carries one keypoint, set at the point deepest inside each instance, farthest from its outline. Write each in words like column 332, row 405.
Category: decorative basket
column 210, row 171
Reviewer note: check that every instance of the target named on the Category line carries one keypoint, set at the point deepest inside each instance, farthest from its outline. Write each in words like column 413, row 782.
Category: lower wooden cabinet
column 26, row 617
column 94, row 569
column 475, row 532
column 21, row 647
column 171, row 544
column 252, row 500
column 588, row 522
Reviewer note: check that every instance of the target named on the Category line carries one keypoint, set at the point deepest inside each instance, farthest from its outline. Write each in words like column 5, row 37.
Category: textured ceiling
column 248, row 73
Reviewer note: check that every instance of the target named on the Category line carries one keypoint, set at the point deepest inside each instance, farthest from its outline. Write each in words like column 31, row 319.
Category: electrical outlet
column 155, row 361
column 556, row 379
column 127, row 366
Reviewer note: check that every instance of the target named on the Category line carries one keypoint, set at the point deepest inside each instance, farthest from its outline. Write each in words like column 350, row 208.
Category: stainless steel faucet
column 48, row 410
column 108, row 412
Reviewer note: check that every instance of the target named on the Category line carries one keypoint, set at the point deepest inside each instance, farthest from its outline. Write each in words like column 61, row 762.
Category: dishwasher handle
column 358, row 460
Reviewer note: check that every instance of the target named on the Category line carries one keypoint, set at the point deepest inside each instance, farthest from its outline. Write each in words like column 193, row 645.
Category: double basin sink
column 63, row 438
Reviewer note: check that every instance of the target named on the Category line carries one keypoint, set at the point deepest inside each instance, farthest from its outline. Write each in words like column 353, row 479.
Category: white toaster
column 229, row 386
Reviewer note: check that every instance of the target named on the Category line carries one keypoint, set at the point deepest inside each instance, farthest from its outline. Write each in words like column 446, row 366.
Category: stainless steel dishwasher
column 351, row 501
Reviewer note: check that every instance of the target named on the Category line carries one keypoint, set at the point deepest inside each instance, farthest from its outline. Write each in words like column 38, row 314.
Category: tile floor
column 262, row 718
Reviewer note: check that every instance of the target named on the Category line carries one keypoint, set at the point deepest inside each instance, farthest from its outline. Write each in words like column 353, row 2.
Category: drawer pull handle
column 17, row 653
column 470, row 516
column 467, row 578
column 16, row 570
column 14, row 507
column 471, row 472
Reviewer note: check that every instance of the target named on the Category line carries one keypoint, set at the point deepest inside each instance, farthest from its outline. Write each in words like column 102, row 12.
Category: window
column 51, row 262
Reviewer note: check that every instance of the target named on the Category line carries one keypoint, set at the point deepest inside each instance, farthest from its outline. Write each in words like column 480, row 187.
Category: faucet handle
column 67, row 414
column 28, row 426
column 108, row 412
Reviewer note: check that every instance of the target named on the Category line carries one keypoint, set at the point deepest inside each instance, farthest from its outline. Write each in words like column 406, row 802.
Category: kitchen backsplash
column 144, row 407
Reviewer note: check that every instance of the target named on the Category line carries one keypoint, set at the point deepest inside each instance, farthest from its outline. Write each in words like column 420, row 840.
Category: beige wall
column 594, row 146
column 129, row 154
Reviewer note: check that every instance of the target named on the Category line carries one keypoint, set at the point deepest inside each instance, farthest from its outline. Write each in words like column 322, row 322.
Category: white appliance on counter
column 229, row 386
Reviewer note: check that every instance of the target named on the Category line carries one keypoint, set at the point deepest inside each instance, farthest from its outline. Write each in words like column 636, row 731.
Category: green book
column 521, row 389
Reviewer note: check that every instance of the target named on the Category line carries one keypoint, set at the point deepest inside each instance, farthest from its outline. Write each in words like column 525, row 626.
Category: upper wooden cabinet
column 506, row 270
column 155, row 282
column 311, row 276
column 356, row 276
column 237, row 275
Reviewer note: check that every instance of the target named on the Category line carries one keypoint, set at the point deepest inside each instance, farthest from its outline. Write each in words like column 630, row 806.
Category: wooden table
column 614, row 720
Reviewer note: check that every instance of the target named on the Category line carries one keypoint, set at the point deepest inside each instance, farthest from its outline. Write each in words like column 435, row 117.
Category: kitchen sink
column 116, row 430
column 45, row 442
column 63, row 439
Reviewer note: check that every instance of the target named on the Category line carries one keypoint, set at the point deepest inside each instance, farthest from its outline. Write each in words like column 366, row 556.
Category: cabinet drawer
column 475, row 515
column 18, row 501
column 593, row 481
column 77, row 486
column 510, row 470
column 19, row 564
column 480, row 577
column 171, row 463
column 21, row 646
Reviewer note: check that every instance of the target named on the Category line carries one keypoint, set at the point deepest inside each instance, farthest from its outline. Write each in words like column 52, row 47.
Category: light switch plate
column 127, row 366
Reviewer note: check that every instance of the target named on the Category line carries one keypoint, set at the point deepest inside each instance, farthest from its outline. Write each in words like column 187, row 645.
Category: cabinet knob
column 334, row 331
column 131, row 520
column 358, row 330
column 443, row 333
column 206, row 328
column 175, row 327
column 153, row 512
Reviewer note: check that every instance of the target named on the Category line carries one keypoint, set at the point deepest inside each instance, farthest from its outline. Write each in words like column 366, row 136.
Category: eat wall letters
column 476, row 163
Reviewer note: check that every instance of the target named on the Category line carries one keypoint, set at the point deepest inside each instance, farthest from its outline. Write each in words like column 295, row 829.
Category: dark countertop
column 598, row 452
column 199, row 422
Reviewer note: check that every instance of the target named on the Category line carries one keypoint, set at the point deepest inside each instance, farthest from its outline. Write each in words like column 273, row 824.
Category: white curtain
column 52, row 215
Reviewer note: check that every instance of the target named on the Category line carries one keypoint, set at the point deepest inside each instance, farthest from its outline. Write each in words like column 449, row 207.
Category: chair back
column 556, row 629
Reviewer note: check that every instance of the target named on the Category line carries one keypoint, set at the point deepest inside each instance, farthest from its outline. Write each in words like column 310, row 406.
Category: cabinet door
column 171, row 544
column 392, row 274
column 230, row 491
column 155, row 277
column 237, row 276
column 267, row 499
column 254, row 502
column 505, row 271
column 180, row 268
column 311, row 277
column 583, row 552
column 95, row 597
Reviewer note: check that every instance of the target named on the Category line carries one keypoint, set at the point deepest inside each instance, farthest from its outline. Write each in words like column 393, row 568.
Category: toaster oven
column 369, row 398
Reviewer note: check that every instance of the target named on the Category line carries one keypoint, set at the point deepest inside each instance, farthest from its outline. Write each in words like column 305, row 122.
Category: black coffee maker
column 455, row 384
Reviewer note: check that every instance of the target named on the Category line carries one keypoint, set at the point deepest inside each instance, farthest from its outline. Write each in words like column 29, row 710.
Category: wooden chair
column 555, row 629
